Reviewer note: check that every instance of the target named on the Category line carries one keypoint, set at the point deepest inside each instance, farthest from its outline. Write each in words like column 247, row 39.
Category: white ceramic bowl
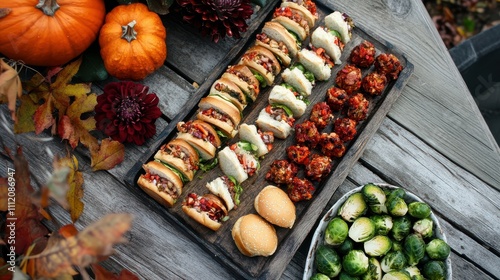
column 318, row 237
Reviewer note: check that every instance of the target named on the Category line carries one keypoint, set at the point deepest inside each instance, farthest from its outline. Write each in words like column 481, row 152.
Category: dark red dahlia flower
column 127, row 113
column 217, row 18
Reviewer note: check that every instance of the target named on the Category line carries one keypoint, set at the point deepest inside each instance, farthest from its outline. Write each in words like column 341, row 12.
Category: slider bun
column 219, row 188
column 151, row 189
column 254, row 236
column 322, row 39
column 276, row 31
column 224, row 106
column 240, row 101
column 267, row 75
column 176, row 162
column 282, row 95
column 249, row 133
column 265, row 122
column 274, row 205
column 202, row 217
column 296, row 78
column 311, row 19
column 250, row 88
column 230, row 165
column 293, row 26
column 315, row 64
column 335, row 21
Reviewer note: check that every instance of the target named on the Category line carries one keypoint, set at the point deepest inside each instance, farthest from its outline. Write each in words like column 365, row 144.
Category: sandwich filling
column 233, row 93
column 293, row 15
column 279, row 113
column 179, row 152
column 268, row 138
column 218, row 115
column 308, row 4
column 245, row 157
column 253, row 88
column 272, row 43
column 263, row 60
column 197, row 130
column 163, row 184
column 203, row 204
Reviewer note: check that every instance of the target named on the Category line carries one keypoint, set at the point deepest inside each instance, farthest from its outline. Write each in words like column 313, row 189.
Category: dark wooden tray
column 220, row 243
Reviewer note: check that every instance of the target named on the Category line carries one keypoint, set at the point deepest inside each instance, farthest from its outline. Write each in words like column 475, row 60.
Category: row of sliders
column 289, row 100
column 219, row 117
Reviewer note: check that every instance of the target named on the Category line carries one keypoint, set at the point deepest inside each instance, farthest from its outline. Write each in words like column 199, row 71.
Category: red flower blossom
column 127, row 113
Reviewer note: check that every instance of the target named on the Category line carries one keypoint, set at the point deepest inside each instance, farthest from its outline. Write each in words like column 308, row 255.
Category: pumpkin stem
column 128, row 32
column 48, row 7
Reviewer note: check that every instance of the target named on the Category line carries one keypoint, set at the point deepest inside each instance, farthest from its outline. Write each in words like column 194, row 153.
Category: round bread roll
column 274, row 205
column 254, row 236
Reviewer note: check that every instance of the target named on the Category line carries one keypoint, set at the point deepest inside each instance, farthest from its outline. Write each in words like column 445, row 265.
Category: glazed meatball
column 345, row 128
column 321, row 115
column 331, row 145
column 281, row 171
column 358, row 107
column 307, row 133
column 300, row 189
column 336, row 98
column 388, row 65
column 363, row 55
column 374, row 83
column 318, row 167
column 349, row 79
column 298, row 154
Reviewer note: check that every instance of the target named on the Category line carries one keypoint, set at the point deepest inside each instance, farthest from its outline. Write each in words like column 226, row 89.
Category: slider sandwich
column 299, row 78
column 201, row 136
column 293, row 21
column 239, row 160
column 288, row 96
column 228, row 189
column 208, row 210
column 279, row 41
column 341, row 23
column 315, row 63
column 229, row 91
column 221, row 113
column 161, row 183
column 243, row 77
column 263, row 140
column 263, row 64
column 277, row 119
column 180, row 155
column 306, row 8
column 330, row 41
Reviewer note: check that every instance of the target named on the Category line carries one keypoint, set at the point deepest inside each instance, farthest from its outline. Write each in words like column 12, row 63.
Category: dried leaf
column 102, row 274
column 68, row 187
column 94, row 242
column 10, row 86
column 4, row 189
column 73, row 128
column 110, row 154
column 28, row 108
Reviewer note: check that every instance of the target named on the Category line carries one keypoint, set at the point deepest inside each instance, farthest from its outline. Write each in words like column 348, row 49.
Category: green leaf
column 208, row 165
column 284, row 107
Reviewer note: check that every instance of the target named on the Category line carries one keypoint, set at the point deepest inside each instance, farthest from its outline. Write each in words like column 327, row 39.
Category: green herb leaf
column 284, row 107
column 209, row 165
column 173, row 169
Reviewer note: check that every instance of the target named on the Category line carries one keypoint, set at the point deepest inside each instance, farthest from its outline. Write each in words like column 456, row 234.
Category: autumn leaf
column 73, row 128
column 4, row 189
column 109, row 154
column 102, row 274
column 74, row 182
column 10, row 86
column 96, row 241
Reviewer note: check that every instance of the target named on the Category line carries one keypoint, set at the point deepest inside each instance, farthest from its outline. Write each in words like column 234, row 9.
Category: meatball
column 318, row 167
column 321, row 115
column 363, row 55
column 388, row 65
column 374, row 83
column 300, row 189
column 336, row 98
column 282, row 171
column 298, row 154
column 358, row 107
column 306, row 133
column 345, row 128
column 349, row 78
column 331, row 145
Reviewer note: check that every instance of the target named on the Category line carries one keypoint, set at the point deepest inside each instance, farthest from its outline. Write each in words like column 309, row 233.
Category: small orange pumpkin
column 132, row 42
column 49, row 32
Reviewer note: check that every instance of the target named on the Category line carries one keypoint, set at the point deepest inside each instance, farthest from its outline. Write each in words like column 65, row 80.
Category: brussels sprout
column 353, row 207
column 362, row 229
column 396, row 245
column 344, row 276
column 383, row 224
column 399, row 192
column 396, row 275
column 378, row 246
column 374, row 270
column 414, row 248
column 419, row 209
column 437, row 249
column 378, row 208
column 413, row 271
column 328, row 261
column 373, row 194
column 434, row 270
column 425, row 259
column 319, row 276
column 401, row 227
column 424, row 227
column 355, row 263
column 336, row 231
column 418, row 277
column 397, row 207
column 393, row 261
column 345, row 247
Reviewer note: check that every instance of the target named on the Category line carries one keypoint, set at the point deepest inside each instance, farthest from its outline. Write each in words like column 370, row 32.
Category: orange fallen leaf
column 102, row 274
column 10, row 86
column 109, row 154
column 4, row 192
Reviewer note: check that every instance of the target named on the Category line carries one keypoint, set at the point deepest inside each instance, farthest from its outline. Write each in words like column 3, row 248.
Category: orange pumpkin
column 132, row 42
column 49, row 32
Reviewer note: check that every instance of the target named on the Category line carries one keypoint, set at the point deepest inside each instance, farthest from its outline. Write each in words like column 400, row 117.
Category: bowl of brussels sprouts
column 379, row 231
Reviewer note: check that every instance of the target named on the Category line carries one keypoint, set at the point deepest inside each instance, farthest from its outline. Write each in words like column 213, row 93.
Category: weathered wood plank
column 436, row 105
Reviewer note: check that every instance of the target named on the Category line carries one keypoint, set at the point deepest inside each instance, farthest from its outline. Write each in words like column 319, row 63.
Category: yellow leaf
column 71, row 186
column 110, row 154
column 67, row 73
column 25, row 114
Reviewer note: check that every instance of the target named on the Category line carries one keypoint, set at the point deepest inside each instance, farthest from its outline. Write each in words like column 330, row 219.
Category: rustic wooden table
column 434, row 143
